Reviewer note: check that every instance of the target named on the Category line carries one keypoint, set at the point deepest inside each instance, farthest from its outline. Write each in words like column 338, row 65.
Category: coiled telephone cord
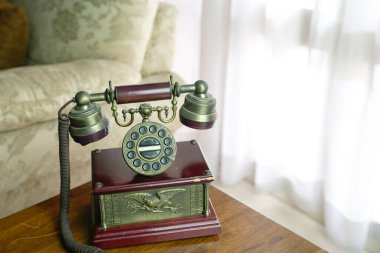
column 65, row 232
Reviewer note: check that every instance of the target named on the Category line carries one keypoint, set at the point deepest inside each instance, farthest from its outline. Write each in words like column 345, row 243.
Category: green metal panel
column 153, row 205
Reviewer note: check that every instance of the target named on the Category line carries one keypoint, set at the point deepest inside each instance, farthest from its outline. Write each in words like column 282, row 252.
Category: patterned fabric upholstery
column 63, row 31
column 34, row 93
column 30, row 99
column 160, row 52
column 29, row 162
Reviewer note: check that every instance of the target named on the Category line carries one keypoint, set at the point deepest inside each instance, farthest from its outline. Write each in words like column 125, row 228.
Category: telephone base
column 159, row 231
column 130, row 209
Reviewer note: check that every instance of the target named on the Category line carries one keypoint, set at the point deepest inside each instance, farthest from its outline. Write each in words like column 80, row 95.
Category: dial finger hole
column 143, row 130
column 168, row 151
column 134, row 135
column 131, row 154
column 164, row 160
column 137, row 163
column 162, row 133
column 130, row 144
column 167, row 141
column 152, row 129
column 156, row 166
column 146, row 166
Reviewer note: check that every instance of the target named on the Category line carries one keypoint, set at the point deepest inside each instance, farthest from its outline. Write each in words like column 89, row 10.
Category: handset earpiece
column 198, row 110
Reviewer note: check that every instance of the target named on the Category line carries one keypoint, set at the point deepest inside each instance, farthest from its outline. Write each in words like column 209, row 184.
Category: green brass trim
column 197, row 117
column 196, row 199
column 98, row 97
column 200, row 105
column 166, row 110
column 151, row 205
column 103, row 223
column 199, row 109
column 186, row 88
column 206, row 210
column 111, row 209
column 87, row 119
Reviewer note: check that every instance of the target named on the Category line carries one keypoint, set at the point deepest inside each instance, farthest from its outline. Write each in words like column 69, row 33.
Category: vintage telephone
column 151, row 189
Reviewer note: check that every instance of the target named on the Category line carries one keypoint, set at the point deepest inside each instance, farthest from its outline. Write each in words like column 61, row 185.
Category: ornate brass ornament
column 145, row 110
column 154, row 203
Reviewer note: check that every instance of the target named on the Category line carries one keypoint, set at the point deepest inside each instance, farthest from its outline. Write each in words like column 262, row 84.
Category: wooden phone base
column 189, row 169
column 149, row 232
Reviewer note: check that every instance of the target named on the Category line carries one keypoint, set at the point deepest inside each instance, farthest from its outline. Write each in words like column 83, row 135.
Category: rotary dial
column 149, row 148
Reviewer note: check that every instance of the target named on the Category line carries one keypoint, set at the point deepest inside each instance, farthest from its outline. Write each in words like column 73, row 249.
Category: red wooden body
column 109, row 168
column 189, row 167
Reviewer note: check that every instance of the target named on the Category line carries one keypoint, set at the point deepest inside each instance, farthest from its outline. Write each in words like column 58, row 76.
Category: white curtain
column 298, row 87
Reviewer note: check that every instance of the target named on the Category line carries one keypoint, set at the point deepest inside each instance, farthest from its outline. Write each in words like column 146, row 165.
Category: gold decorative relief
column 154, row 202
column 196, row 199
column 152, row 205
column 111, row 206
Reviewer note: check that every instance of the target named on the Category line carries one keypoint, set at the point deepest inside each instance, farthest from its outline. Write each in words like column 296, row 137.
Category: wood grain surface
column 35, row 229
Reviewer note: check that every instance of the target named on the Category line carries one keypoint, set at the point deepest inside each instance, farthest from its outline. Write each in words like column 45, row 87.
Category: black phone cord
column 65, row 232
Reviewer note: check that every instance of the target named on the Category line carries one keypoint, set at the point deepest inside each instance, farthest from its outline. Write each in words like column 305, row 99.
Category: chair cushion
column 14, row 35
column 160, row 52
column 62, row 31
column 35, row 93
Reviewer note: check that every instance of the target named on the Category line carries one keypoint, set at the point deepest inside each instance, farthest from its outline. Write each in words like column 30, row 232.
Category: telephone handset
column 148, row 148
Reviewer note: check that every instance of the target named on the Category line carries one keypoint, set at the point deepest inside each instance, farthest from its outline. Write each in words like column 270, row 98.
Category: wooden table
column 35, row 229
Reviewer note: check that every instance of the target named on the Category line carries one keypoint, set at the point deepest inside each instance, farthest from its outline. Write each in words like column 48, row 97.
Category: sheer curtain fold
column 301, row 107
